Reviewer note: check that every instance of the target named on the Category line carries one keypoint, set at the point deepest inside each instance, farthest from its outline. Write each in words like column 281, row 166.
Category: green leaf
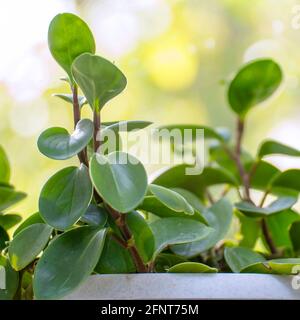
column 192, row 267
column 238, row 258
column 4, row 166
column 26, row 246
column 250, row 230
column 65, row 197
column 142, row 234
column 4, row 237
column 95, row 216
column 68, row 38
column 127, row 125
column 99, row 79
column 9, row 197
column 171, row 231
column 69, row 98
column 192, row 199
column 209, row 133
column 294, row 236
column 286, row 182
column 219, row 217
column 175, row 177
column 275, row 266
column 34, row 218
column 57, row 143
column 11, row 279
column 253, row 84
column 8, row 221
column 67, row 262
column 120, row 179
column 280, row 204
column 165, row 261
column 271, row 147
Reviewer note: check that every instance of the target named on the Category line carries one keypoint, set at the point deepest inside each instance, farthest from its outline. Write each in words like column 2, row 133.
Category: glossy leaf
column 171, row 231
column 11, row 279
column 219, row 217
column 4, row 166
column 8, row 221
column 238, row 258
column 57, row 143
column 65, row 197
column 271, row 147
column 120, row 179
column 276, row 206
column 34, row 218
column 9, row 197
column 67, row 262
column 99, row 79
column 95, row 216
column 26, row 246
column 69, row 98
column 254, row 83
column 68, row 38
column 192, row 267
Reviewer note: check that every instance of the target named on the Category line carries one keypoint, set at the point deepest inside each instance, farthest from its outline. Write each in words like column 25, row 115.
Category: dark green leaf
column 253, row 84
column 26, row 246
column 4, row 237
column 120, row 179
column 95, row 216
column 9, row 197
column 238, row 258
column 171, row 231
column 68, row 38
column 65, row 197
column 219, row 217
column 57, row 143
column 165, row 261
column 11, row 280
column 294, row 233
column 8, row 221
column 99, row 79
column 192, row 267
column 67, row 262
column 271, row 147
column 34, row 218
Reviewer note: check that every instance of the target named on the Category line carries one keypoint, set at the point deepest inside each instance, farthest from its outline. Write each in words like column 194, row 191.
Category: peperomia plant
column 102, row 216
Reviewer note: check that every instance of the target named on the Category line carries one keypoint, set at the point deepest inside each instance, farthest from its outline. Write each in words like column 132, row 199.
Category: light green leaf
column 192, row 267
column 120, row 179
column 271, row 147
column 99, row 79
column 69, row 98
column 238, row 258
column 253, row 84
column 68, row 38
column 95, row 216
column 26, row 246
column 9, row 197
column 250, row 230
column 286, row 182
column 67, row 262
column 8, row 221
column 65, row 197
column 11, row 279
column 34, row 218
column 280, row 204
column 171, row 231
column 57, row 143
column 127, row 125
column 219, row 217
column 4, row 166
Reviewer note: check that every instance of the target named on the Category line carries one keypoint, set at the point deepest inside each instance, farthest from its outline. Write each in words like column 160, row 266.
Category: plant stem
column 268, row 236
column 82, row 155
column 97, row 125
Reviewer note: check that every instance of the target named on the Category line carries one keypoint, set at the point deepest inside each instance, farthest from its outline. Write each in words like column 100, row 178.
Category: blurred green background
column 177, row 55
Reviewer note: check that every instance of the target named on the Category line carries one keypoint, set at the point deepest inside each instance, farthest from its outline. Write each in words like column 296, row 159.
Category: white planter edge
column 164, row 286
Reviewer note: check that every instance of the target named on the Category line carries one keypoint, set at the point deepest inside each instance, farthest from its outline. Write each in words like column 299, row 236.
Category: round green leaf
column 95, row 216
column 11, row 279
column 8, row 221
column 35, row 237
column 4, row 166
column 276, row 206
column 67, row 262
column 57, row 143
column 65, row 197
column 171, row 231
column 120, row 179
column 271, row 147
column 34, row 218
column 219, row 217
column 69, row 37
column 254, row 83
column 238, row 258
column 99, row 79
column 192, row 267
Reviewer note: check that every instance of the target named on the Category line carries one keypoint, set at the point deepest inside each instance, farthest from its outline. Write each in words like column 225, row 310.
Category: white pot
column 187, row 286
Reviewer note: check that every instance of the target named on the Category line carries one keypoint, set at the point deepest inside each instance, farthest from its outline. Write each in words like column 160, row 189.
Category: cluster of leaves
column 8, row 197
column 104, row 217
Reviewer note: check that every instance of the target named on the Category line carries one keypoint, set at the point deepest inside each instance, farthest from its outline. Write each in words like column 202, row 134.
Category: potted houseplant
column 102, row 231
